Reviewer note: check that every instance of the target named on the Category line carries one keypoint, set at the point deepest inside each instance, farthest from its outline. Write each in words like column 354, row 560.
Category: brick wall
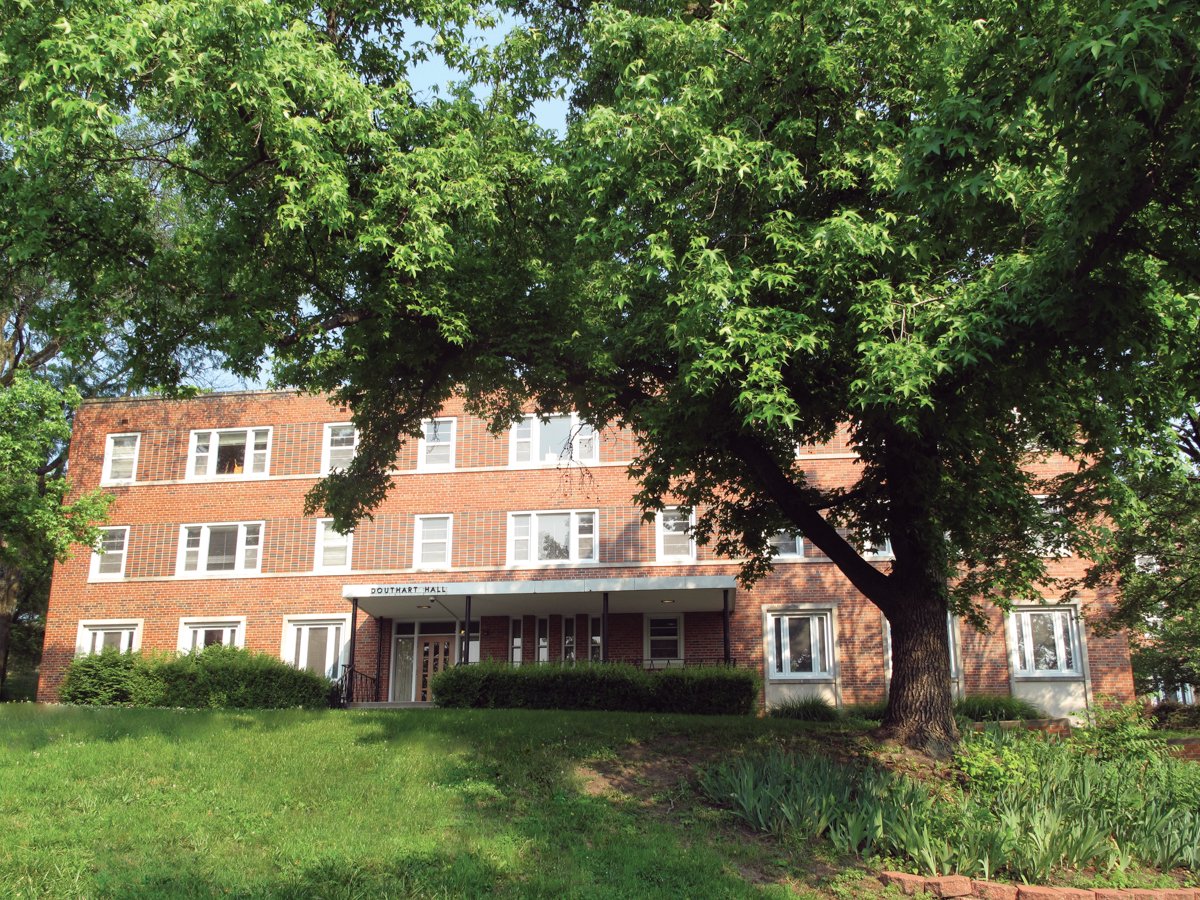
column 479, row 494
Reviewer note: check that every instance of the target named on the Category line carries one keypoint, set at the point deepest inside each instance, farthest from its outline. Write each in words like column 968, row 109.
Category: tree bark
column 920, row 706
column 10, row 588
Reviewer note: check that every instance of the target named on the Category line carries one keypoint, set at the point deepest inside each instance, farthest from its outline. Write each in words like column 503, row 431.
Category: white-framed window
column 435, row 449
column 338, row 447
column 94, row 635
column 553, row 536
column 673, row 539
column 316, row 642
column 557, row 440
column 432, row 542
column 333, row 549
column 108, row 559
column 514, row 646
column 229, row 453
column 120, row 458
column 543, row 639
column 878, row 551
column 1045, row 642
column 569, row 647
column 196, row 633
column 800, row 644
column 786, row 545
column 226, row 548
column 663, row 639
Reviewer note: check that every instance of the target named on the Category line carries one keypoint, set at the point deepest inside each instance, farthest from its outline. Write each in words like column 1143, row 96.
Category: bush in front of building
column 214, row 678
column 1175, row 716
column 805, row 709
column 612, row 687
column 996, row 708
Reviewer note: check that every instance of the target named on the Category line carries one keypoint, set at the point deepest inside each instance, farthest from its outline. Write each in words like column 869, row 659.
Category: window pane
column 585, row 442
column 252, row 543
column 341, row 446
column 586, row 525
column 191, row 553
column 784, row 544
column 214, row 636
column 523, row 435
column 434, row 534
column 222, row 548
column 123, row 450
column 664, row 638
column 554, row 536
column 202, row 446
column 675, row 539
column 779, row 645
column 800, row 643
column 438, row 442
column 318, row 649
column 520, row 538
column 112, row 639
column 1045, row 650
column 1064, row 621
column 231, row 453
column 259, row 466
column 554, row 439
column 112, row 545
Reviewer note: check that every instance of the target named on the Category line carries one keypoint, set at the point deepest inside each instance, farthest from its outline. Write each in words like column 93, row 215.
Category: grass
column 338, row 805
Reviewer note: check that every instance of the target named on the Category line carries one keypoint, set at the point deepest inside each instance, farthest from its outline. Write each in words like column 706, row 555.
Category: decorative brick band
column 960, row 886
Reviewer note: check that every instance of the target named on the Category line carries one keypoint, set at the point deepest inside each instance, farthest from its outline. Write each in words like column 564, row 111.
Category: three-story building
column 525, row 547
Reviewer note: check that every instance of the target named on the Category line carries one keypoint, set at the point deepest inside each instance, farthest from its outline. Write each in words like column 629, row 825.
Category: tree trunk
column 10, row 587
column 920, row 706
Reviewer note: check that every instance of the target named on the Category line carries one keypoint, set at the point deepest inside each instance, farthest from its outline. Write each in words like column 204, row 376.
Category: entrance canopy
column 542, row 597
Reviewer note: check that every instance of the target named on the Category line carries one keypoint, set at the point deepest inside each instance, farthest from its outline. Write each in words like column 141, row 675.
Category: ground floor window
column 664, row 638
column 196, row 634
column 587, row 645
column 514, row 650
column 317, row 644
column 121, row 635
column 1046, row 642
column 799, row 645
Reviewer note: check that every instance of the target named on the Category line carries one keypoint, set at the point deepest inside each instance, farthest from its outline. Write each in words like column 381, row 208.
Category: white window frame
column 326, row 445
column 1049, row 547
column 287, row 647
column 573, row 550
column 649, row 662
column 94, row 573
column 576, row 459
column 109, row 441
column 825, row 616
column 210, row 475
column 1020, row 625
column 88, row 627
column 192, row 624
column 440, row 421
column 418, row 529
column 324, row 527
column 873, row 551
column 787, row 557
column 239, row 570
column 659, row 554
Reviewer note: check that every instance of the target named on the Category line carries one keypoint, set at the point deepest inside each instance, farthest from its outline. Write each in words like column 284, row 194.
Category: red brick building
column 531, row 537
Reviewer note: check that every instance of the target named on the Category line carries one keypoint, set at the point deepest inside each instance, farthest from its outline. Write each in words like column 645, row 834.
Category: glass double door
column 419, row 654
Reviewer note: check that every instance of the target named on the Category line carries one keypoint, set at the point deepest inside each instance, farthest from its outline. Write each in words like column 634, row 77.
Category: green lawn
column 345, row 804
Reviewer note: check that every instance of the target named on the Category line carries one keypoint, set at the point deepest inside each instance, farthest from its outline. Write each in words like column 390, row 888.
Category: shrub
column 805, row 709
column 216, row 677
column 1118, row 731
column 1175, row 716
column 110, row 678
column 715, row 690
column 996, row 708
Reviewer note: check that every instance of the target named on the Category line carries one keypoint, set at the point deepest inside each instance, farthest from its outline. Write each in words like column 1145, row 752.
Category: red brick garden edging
column 961, row 886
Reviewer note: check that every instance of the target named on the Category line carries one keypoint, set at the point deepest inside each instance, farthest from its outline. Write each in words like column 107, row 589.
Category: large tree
column 954, row 230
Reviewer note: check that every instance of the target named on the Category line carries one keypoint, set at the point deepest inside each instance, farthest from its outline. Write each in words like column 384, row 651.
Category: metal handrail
column 355, row 686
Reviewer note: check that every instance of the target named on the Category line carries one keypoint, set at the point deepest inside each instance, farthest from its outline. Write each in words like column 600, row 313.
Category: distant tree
column 1155, row 562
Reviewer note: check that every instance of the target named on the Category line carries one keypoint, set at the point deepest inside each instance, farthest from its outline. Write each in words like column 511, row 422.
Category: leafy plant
column 215, row 677
column 996, row 708
column 703, row 690
column 805, row 709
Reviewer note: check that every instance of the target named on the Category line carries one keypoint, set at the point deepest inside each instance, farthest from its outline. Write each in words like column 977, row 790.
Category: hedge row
column 615, row 687
column 216, row 677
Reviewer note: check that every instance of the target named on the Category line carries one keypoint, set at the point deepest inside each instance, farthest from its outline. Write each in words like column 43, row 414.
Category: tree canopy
column 964, row 232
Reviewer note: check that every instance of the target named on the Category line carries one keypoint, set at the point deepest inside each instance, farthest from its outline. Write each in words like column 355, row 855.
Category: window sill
column 1048, row 676
column 216, row 479
column 551, row 565
column 805, row 679
column 216, row 576
column 105, row 579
